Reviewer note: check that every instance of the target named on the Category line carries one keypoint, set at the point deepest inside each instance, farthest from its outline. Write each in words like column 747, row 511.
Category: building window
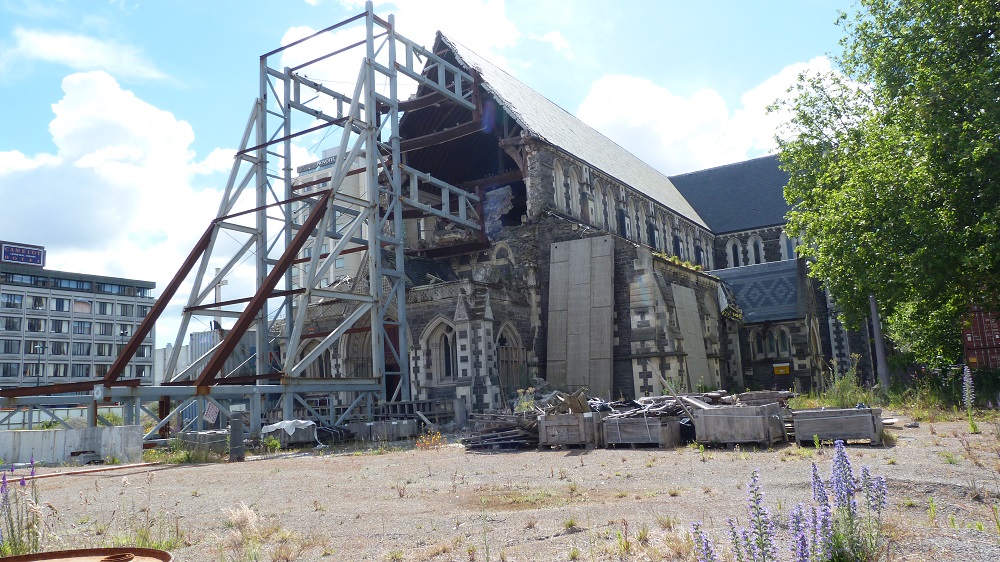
column 678, row 246
column 784, row 345
column 36, row 303
column 142, row 371
column 125, row 309
column 80, row 371
column 623, row 223
column 21, row 279
column 60, row 305
column 34, row 325
column 141, row 310
column 59, row 326
column 699, row 255
column 81, row 349
column 104, row 350
column 58, row 369
column 105, row 329
column 124, row 330
column 113, row 289
column 72, row 284
column 58, row 348
column 100, row 371
column 34, row 347
column 144, row 351
column 10, row 347
column 559, row 188
column 756, row 250
column 651, row 235
column 81, row 327
column 83, row 306
column 8, row 300
column 772, row 343
column 10, row 324
column 757, row 341
column 105, row 308
column 9, row 370
column 339, row 263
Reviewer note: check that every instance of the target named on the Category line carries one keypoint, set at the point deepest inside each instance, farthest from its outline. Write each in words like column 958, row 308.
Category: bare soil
column 403, row 503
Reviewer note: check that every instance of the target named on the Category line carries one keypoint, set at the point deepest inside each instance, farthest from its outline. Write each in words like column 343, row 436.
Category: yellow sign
column 782, row 369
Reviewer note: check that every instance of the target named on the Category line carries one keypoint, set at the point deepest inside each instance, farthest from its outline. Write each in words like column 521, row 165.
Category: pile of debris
column 520, row 429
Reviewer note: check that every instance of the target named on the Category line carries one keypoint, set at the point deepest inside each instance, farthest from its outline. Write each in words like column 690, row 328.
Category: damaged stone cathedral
column 591, row 269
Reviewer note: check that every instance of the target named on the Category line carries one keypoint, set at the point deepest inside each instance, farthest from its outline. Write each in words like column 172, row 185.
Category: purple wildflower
column 734, row 539
column 23, row 482
column 3, row 486
column 800, row 542
column 842, row 480
column 703, row 545
column 875, row 491
column 761, row 544
column 819, row 489
column 32, row 465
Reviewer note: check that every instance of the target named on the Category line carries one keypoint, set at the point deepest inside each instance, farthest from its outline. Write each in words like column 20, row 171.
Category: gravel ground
column 449, row 504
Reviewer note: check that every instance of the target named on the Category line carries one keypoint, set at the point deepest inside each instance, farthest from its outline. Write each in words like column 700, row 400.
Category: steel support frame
column 260, row 181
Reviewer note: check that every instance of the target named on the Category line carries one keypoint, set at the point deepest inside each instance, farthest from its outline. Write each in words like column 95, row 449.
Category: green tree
column 895, row 167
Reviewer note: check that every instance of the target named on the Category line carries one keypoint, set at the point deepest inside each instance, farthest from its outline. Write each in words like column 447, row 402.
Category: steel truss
column 266, row 220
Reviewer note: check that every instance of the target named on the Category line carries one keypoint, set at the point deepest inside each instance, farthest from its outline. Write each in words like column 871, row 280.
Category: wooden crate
column 662, row 432
column 632, row 431
column 570, row 429
column 831, row 425
column 739, row 424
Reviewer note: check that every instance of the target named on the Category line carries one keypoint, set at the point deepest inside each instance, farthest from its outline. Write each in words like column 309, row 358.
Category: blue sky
column 121, row 117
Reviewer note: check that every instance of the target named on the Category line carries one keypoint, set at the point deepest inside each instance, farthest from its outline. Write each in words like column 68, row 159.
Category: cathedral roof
column 739, row 196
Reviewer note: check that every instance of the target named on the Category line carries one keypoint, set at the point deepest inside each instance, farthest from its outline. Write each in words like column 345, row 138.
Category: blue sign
column 23, row 254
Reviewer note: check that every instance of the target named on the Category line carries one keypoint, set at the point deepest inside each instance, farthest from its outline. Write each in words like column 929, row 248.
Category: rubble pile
column 520, row 429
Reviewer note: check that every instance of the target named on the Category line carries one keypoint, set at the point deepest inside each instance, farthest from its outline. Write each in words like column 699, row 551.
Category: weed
column 573, row 488
column 22, row 524
column 574, row 553
column 948, row 457
column 932, row 511
column 570, row 525
column 430, row 440
column 643, row 534
column 673, row 492
column 622, row 542
column 667, row 522
column 890, row 461
column 395, row 556
column 909, row 502
column 271, row 444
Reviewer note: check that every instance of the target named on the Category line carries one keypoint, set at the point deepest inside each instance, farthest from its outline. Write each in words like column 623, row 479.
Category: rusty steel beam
column 240, row 301
column 440, row 137
column 264, row 292
column 147, row 324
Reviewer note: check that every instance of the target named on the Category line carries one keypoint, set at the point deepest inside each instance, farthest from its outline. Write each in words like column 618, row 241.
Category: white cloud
column 118, row 197
column 677, row 133
column 16, row 161
column 558, row 42
column 80, row 52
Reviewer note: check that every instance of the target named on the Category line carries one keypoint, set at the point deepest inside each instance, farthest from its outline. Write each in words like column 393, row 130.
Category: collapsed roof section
column 543, row 119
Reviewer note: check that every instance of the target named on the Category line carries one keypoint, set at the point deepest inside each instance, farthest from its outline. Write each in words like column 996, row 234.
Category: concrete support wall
column 57, row 446
column 581, row 308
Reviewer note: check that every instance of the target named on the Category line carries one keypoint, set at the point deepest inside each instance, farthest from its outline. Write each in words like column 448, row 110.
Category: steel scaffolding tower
column 269, row 220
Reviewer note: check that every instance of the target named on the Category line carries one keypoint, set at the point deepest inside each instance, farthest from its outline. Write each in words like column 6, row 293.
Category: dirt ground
column 402, row 503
